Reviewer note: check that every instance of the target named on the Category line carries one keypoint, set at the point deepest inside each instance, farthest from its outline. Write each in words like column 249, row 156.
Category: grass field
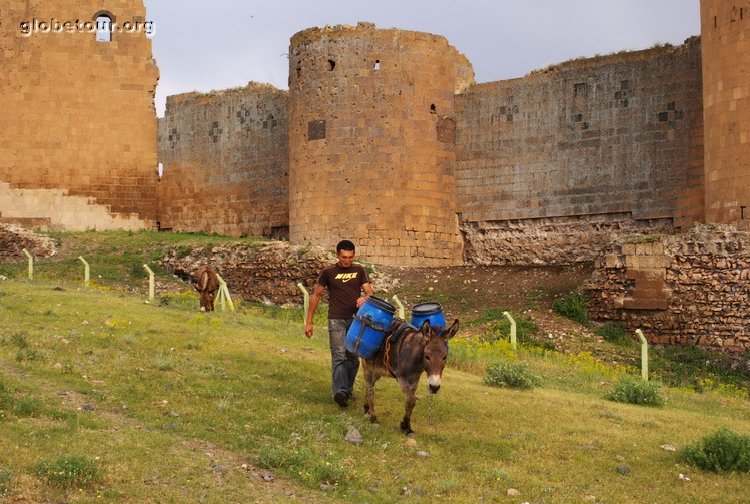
column 104, row 398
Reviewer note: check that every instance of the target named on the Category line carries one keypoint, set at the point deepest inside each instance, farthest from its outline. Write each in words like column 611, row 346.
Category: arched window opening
column 103, row 28
column 331, row 65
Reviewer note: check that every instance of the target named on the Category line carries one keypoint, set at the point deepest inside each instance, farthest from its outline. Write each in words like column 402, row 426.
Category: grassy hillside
column 104, row 398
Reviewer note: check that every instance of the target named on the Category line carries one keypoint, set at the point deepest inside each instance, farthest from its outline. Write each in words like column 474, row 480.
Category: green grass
column 511, row 374
column 634, row 391
column 228, row 389
column 721, row 451
column 573, row 306
column 69, row 471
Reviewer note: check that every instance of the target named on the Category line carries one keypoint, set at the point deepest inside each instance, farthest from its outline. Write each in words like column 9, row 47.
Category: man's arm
column 314, row 300
column 369, row 291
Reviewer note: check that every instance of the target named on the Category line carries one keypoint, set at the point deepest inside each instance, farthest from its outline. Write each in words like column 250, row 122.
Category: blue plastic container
column 365, row 335
column 427, row 311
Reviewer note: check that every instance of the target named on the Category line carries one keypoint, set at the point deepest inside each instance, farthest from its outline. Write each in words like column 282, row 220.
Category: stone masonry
column 225, row 162
column 725, row 28
column 572, row 153
column 686, row 289
column 372, row 142
column 77, row 114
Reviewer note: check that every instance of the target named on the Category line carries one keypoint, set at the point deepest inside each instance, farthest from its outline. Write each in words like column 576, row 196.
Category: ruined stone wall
column 689, row 289
column 371, row 142
column 266, row 273
column 225, row 162
column 725, row 28
column 78, row 114
column 549, row 166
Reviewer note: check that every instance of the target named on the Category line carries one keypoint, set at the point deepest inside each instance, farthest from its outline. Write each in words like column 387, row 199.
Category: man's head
column 345, row 253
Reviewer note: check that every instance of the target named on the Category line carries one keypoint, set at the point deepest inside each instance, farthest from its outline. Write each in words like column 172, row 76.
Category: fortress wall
column 372, row 142
column 78, row 114
column 225, row 162
column 725, row 28
column 550, row 165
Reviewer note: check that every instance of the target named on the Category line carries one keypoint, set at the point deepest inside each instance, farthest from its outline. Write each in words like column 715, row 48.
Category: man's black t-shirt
column 344, row 288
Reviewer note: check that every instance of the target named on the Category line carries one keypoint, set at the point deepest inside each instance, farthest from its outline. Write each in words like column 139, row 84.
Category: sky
column 200, row 46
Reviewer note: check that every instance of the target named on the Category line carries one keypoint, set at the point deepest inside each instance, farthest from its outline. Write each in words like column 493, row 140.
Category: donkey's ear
column 426, row 329
column 451, row 331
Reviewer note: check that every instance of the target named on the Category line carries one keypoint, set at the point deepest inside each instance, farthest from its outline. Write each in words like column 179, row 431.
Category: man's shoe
column 341, row 398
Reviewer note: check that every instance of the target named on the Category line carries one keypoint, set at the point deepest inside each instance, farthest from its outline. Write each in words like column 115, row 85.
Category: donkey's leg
column 411, row 399
column 370, row 379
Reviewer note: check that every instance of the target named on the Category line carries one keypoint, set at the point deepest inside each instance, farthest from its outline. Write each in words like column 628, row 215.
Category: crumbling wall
column 550, row 165
column 78, row 114
column 266, row 273
column 225, row 162
column 688, row 289
column 13, row 239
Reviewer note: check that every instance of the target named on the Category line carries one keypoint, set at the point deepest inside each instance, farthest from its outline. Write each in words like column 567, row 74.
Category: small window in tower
column 580, row 89
column 433, row 109
column 377, row 65
column 299, row 72
column 103, row 29
column 715, row 22
column 331, row 65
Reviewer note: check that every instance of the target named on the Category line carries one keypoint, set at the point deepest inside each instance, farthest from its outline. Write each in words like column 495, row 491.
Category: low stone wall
column 13, row 239
column 689, row 289
column 267, row 273
column 550, row 241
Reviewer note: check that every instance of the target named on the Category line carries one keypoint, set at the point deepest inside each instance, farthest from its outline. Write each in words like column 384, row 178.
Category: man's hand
column 308, row 330
column 361, row 301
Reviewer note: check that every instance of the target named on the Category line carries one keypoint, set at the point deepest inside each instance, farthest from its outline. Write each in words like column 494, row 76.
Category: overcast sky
column 200, row 46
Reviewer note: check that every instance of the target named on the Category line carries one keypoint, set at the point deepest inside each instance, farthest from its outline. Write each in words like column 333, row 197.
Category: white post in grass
column 401, row 310
column 512, row 329
column 306, row 295
column 31, row 264
column 644, row 354
column 224, row 296
column 150, row 283
column 85, row 271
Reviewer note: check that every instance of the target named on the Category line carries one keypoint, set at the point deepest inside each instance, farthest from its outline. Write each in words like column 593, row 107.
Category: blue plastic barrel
column 365, row 335
column 427, row 311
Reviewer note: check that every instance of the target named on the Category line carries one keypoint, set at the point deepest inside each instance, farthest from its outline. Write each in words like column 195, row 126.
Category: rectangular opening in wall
column 745, row 212
column 316, row 130
column 579, row 89
column 377, row 65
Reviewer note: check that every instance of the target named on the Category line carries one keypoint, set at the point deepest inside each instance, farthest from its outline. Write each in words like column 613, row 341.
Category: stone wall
column 689, row 289
column 57, row 209
column 725, row 28
column 266, row 273
column 550, row 240
column 78, row 114
column 594, row 145
column 371, row 142
column 13, row 239
column 225, row 162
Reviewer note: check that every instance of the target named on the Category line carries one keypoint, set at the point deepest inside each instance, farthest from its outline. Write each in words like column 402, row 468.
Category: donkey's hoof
column 373, row 419
column 366, row 408
column 406, row 428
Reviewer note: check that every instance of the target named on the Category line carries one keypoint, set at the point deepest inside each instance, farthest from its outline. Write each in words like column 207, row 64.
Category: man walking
column 345, row 282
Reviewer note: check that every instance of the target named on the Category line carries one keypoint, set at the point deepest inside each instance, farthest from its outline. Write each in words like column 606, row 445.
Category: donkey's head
column 436, row 352
column 206, row 298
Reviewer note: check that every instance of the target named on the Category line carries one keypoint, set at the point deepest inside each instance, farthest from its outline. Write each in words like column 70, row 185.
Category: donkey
column 405, row 355
column 206, row 283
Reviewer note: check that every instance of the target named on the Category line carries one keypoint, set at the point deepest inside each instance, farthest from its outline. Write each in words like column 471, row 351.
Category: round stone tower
column 725, row 44
column 372, row 142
